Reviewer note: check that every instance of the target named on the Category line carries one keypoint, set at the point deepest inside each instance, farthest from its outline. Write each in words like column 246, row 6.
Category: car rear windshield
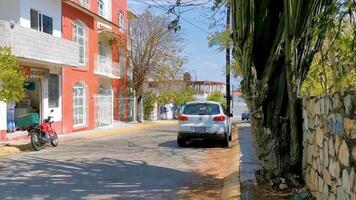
column 201, row 109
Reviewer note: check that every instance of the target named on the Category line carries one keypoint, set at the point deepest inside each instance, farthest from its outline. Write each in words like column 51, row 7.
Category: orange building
column 94, row 92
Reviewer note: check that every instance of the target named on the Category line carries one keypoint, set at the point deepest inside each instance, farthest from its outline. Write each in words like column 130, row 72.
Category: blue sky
column 207, row 63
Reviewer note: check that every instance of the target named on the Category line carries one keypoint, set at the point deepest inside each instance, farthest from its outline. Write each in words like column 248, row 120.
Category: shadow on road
column 92, row 179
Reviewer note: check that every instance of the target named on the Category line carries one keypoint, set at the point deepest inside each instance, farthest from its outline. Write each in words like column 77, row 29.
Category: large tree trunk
column 271, row 115
column 274, row 48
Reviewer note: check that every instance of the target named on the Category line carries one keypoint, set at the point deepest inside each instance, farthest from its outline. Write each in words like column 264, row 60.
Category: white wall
column 3, row 119
column 10, row 10
column 51, row 8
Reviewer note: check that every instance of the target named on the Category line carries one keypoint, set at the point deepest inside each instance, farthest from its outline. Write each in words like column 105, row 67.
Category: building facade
column 74, row 55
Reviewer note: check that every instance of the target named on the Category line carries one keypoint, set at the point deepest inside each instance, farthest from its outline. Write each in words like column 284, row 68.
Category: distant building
column 208, row 87
column 160, row 87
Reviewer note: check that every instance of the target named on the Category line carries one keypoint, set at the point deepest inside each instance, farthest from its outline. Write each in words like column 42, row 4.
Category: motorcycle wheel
column 54, row 139
column 36, row 141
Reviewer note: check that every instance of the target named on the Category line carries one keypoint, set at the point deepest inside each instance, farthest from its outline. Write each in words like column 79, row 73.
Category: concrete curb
column 8, row 149
column 231, row 187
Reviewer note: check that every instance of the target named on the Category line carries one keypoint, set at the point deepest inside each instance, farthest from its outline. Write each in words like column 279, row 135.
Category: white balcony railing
column 35, row 45
column 106, row 67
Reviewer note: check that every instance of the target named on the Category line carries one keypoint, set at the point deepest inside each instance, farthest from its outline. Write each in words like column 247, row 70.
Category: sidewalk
column 249, row 163
column 12, row 147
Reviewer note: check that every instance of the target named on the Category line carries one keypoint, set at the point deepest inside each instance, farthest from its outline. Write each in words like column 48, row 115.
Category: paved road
column 144, row 164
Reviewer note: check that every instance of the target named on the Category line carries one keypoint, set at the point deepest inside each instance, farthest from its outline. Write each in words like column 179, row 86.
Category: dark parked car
column 245, row 115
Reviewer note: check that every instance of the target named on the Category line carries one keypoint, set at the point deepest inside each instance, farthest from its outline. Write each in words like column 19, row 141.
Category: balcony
column 34, row 45
column 104, row 66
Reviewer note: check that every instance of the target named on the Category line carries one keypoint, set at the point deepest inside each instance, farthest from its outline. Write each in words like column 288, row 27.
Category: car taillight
column 183, row 118
column 220, row 118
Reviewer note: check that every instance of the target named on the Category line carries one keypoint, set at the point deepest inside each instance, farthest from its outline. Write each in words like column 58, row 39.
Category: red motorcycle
column 43, row 134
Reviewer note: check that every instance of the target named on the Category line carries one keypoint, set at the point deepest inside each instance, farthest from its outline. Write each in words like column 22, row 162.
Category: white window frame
column 121, row 22
column 40, row 22
column 76, row 37
column 101, row 12
column 83, row 96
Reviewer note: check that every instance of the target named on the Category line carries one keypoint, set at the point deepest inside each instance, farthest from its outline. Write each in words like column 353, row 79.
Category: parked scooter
column 43, row 134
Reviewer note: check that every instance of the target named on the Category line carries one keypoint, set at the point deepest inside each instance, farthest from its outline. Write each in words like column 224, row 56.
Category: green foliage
column 334, row 67
column 221, row 39
column 11, row 78
column 218, row 97
column 179, row 97
column 149, row 104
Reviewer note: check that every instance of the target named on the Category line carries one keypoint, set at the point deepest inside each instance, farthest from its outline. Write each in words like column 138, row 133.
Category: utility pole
column 228, row 92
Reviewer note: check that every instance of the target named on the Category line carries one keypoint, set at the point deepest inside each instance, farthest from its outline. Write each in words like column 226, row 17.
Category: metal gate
column 103, row 112
column 128, row 106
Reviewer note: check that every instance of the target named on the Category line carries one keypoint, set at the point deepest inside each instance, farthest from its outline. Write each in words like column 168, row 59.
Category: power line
column 163, row 8
column 196, row 26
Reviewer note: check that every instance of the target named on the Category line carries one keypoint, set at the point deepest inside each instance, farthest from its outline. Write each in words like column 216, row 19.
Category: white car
column 206, row 120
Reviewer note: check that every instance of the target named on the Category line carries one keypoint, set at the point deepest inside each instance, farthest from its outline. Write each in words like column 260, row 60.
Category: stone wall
column 329, row 153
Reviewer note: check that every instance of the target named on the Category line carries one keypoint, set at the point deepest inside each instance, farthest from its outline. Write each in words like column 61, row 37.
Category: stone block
column 309, row 137
column 347, row 126
column 327, row 177
column 332, row 196
column 318, row 164
column 352, row 179
column 334, row 168
column 311, row 124
column 344, row 155
column 315, row 150
column 334, row 187
column 337, row 144
column 318, row 105
column 346, row 181
column 340, row 194
column 312, row 178
column 326, row 154
column 320, row 184
column 354, row 154
column 319, row 137
column 326, row 190
column 314, row 164
column 331, row 147
column 309, row 155
column 336, row 101
column 347, row 104
column 311, row 109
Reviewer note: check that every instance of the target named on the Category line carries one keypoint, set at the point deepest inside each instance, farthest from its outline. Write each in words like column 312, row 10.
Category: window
column 101, row 7
column 84, row 3
column 121, row 21
column 79, row 105
column 53, row 91
column 79, row 36
column 41, row 22
column 201, row 109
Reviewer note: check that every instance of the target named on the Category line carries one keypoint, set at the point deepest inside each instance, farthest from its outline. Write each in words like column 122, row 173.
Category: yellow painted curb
column 231, row 187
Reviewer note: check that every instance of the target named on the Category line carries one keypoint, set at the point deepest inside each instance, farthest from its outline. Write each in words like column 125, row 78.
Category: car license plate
column 200, row 129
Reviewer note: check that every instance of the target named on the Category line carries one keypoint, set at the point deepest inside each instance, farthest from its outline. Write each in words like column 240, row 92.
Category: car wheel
column 225, row 142
column 181, row 142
